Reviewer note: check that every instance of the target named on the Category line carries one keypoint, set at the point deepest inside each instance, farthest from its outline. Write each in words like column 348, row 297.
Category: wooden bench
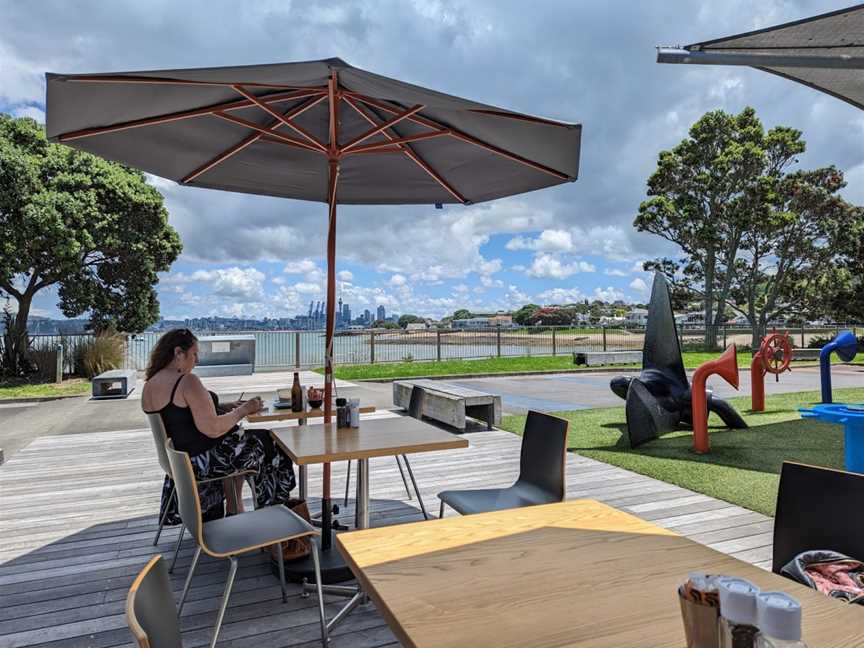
column 600, row 358
column 450, row 404
column 117, row 383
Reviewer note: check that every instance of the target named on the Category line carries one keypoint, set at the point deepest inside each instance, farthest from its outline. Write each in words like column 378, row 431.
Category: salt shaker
column 355, row 412
column 737, row 624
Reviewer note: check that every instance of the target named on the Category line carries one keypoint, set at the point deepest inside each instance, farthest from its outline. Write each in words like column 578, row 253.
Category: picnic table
column 449, row 403
column 578, row 573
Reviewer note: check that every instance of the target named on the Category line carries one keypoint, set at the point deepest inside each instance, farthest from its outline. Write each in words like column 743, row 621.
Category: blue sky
column 585, row 62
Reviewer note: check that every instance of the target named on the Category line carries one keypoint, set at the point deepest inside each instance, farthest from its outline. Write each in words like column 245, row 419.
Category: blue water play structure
column 851, row 417
column 846, row 346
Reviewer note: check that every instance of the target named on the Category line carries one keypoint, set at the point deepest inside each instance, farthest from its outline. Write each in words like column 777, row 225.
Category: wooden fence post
column 371, row 347
column 498, row 340
column 554, row 346
column 438, row 344
column 297, row 349
column 604, row 337
column 58, row 369
column 802, row 336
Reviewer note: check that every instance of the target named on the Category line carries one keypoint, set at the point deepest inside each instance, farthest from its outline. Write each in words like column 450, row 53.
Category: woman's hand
column 252, row 406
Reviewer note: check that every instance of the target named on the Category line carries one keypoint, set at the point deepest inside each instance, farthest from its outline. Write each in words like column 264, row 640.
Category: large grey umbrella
column 317, row 130
column 825, row 52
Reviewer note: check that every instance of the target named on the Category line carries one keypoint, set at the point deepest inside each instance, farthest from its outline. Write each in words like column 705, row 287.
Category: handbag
column 296, row 548
column 834, row 574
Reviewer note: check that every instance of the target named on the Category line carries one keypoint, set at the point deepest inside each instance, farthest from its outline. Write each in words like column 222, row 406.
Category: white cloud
column 609, row 294
column 560, row 296
column 308, row 288
column 345, row 275
column 548, row 266
column 33, row 112
column 640, row 287
column 552, row 240
column 615, row 272
column 397, row 280
column 239, row 283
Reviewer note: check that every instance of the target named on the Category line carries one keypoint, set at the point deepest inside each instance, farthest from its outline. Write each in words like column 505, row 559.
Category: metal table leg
column 304, row 482
column 361, row 513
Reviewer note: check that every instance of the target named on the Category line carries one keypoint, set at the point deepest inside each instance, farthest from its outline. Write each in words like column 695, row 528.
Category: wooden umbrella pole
column 326, row 510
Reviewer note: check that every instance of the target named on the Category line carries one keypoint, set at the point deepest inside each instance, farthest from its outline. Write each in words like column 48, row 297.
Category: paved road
column 21, row 423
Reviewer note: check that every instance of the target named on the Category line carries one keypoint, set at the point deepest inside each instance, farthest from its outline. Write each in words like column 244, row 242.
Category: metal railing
column 287, row 349
column 290, row 349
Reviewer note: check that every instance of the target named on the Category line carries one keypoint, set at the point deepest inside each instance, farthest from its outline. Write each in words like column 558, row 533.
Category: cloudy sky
column 574, row 60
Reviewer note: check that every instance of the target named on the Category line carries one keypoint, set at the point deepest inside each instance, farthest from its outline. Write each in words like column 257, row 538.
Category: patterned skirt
column 240, row 450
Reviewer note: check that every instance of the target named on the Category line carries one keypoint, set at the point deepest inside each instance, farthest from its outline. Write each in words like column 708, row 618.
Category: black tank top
column 180, row 426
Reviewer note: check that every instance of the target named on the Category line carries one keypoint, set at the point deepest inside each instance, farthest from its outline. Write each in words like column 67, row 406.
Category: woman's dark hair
column 163, row 352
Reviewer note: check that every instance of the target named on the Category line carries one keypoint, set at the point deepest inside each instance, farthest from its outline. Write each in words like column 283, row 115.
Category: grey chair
column 239, row 534
column 415, row 410
column 541, row 472
column 160, row 438
column 150, row 610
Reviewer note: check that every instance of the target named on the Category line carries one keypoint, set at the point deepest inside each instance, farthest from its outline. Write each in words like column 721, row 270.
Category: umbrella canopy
column 317, row 130
column 265, row 129
column 825, row 52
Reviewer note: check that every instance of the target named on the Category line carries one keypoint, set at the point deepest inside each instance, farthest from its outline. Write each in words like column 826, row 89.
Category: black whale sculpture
column 658, row 400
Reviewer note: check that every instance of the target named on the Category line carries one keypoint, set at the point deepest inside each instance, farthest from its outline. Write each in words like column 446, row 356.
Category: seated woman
column 199, row 425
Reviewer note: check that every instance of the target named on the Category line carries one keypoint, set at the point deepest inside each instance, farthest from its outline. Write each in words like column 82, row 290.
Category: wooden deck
column 78, row 516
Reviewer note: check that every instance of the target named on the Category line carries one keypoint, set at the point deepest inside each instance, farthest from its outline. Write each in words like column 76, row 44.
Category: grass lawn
column 392, row 370
column 69, row 387
column 743, row 466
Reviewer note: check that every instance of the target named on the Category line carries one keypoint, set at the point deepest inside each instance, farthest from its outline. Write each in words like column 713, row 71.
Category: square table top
column 578, row 573
column 324, row 442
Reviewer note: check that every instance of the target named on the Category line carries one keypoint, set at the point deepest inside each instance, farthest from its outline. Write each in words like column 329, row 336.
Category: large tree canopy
column 756, row 237
column 94, row 229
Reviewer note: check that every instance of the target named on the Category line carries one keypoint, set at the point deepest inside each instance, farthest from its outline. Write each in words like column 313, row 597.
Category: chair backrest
column 415, row 405
column 150, row 610
column 544, row 453
column 187, row 491
column 160, row 438
column 817, row 508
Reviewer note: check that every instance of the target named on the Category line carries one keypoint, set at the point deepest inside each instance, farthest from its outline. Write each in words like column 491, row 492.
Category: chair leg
column 416, row 490
column 252, row 488
column 188, row 580
column 172, row 496
column 441, row 512
column 228, row 585
column 280, row 560
column 402, row 472
column 347, row 482
column 177, row 548
column 325, row 639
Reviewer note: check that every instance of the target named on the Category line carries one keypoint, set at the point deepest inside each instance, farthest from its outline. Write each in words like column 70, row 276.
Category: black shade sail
column 825, row 52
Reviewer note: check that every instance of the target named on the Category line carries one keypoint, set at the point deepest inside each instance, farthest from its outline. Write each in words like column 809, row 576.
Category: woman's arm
column 204, row 412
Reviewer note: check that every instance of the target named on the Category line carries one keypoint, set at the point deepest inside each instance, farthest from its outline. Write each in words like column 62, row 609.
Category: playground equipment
column 726, row 366
column 851, row 417
column 659, row 398
column 773, row 356
column 846, row 346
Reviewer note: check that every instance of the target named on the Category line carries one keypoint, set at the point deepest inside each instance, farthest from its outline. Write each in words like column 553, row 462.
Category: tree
column 523, row 315
column 405, row 320
column 754, row 236
column 552, row 316
column 93, row 229
column 462, row 313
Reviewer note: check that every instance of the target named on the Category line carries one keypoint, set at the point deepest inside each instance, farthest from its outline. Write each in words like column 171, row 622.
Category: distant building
column 367, row 316
column 416, row 326
column 382, row 314
column 637, row 316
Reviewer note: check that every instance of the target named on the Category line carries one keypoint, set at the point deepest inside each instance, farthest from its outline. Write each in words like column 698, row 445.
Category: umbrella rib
column 411, row 154
column 251, row 139
column 184, row 114
column 119, row 78
column 401, row 140
column 285, row 139
column 296, row 128
column 464, row 137
column 387, row 124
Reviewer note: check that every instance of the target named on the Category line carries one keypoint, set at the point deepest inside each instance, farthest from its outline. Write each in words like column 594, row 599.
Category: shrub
column 819, row 341
column 101, row 353
column 408, row 358
column 44, row 359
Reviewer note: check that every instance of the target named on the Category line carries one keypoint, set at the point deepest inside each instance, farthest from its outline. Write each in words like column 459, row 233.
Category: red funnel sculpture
column 726, row 366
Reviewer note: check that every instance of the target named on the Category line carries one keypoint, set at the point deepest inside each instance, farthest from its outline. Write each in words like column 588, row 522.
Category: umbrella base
column 333, row 567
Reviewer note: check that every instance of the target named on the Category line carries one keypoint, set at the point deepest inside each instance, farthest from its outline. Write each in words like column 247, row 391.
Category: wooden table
column 578, row 573
column 273, row 414
column 325, row 443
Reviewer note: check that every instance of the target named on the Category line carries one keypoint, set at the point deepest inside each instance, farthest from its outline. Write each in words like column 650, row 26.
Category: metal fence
column 287, row 349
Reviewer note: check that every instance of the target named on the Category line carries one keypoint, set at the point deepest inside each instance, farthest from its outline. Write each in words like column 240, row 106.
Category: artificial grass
column 743, row 466
column 395, row 370
column 69, row 387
